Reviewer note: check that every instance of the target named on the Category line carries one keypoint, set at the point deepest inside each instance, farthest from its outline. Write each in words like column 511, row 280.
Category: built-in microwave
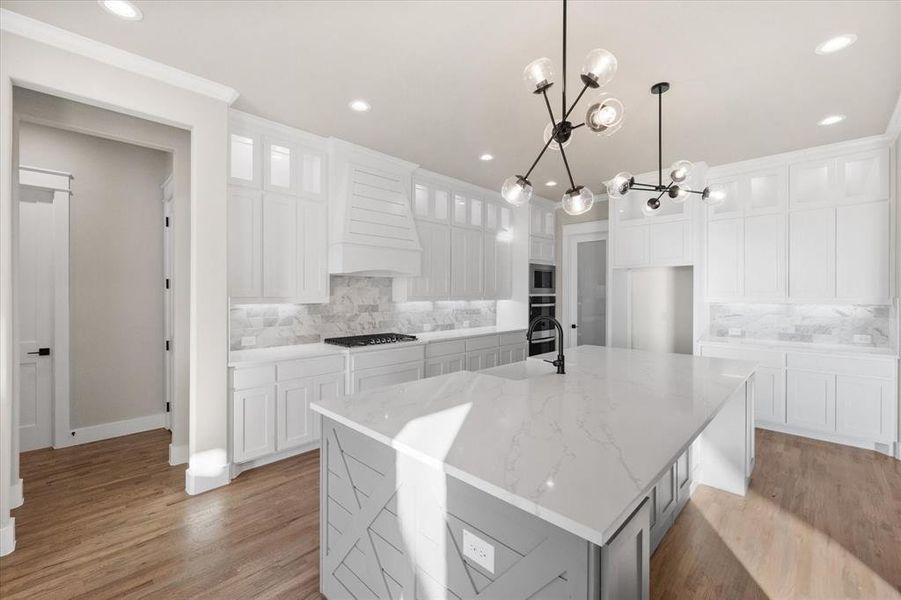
column 541, row 279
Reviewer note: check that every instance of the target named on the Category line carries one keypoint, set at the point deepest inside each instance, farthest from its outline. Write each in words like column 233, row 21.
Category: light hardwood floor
column 111, row 520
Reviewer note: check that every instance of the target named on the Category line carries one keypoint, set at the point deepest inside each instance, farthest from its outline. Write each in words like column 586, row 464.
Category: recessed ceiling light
column 122, row 9
column 832, row 120
column 550, row 183
column 360, row 106
column 834, row 44
column 486, row 157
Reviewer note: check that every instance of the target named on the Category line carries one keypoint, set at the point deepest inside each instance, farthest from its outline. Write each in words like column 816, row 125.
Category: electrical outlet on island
column 478, row 551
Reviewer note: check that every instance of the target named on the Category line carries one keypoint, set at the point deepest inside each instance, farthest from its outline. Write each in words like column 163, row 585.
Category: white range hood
column 371, row 228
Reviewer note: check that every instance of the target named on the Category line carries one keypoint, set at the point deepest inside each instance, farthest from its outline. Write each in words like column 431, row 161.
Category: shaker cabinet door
column 811, row 251
column 244, row 243
column 765, row 257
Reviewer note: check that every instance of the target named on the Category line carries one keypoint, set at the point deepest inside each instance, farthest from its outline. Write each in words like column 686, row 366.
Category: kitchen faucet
column 560, row 363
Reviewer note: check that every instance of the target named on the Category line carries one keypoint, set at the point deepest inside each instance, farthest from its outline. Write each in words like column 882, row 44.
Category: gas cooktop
column 353, row 341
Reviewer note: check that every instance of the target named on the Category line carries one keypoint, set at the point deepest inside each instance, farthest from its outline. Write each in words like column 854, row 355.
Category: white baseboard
column 178, row 455
column 105, row 431
column 196, row 483
column 236, row 468
column 830, row 437
column 8, row 537
column 16, row 497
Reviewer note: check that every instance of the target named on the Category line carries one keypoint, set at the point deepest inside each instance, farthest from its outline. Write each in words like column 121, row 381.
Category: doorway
column 585, row 283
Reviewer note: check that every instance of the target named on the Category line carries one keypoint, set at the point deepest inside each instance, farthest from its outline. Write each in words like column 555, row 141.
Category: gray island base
column 519, row 483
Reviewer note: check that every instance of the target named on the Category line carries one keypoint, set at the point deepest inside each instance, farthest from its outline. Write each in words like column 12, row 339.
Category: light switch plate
column 735, row 332
column 478, row 550
column 861, row 338
column 248, row 340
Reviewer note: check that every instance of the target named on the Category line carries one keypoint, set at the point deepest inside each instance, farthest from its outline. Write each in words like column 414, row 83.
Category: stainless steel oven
column 544, row 335
column 541, row 279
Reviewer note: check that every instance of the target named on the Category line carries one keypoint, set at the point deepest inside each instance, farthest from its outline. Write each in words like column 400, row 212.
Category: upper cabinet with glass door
column 857, row 177
column 430, row 200
column 468, row 207
column 759, row 192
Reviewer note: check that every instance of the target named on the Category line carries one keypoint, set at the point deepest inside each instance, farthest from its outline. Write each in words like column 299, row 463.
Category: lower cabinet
column 810, row 400
column 442, row 365
column 481, row 359
column 297, row 425
column 512, row 354
column 376, row 377
column 669, row 496
column 253, row 423
column 626, row 559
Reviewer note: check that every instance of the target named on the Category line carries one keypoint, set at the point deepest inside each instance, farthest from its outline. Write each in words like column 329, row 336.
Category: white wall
column 115, row 270
column 88, row 75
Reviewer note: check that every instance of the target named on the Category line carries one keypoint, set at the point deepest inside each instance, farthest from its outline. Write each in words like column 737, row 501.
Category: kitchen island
column 516, row 482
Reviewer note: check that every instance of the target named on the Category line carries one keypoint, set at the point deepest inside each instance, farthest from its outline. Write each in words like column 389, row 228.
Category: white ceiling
column 444, row 78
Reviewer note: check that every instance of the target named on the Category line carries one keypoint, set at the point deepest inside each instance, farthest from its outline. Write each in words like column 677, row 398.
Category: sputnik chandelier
column 678, row 174
column 604, row 117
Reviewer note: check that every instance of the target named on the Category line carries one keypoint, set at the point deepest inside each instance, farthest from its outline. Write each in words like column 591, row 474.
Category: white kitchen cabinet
column 865, row 408
column 431, row 201
column 541, row 219
column 512, row 353
column 434, row 283
column 279, row 246
column 376, row 377
column 810, row 400
column 442, row 365
column 498, row 270
column 468, row 209
column 312, row 252
column 862, row 252
column 766, row 191
column 670, row 242
column 863, row 176
column 764, row 256
column 245, row 250
column 625, row 560
column 253, row 423
column 811, row 251
column 467, row 263
column 482, row 359
column 244, row 164
column 296, row 424
column 631, row 247
column 725, row 258
column 812, row 183
column 769, row 401
column 280, row 168
column 541, row 250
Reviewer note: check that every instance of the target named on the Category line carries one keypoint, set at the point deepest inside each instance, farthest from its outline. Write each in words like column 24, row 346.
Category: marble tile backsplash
column 357, row 305
column 811, row 323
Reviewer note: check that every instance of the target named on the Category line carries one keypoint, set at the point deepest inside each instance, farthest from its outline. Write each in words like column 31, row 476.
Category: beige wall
column 598, row 212
column 116, row 271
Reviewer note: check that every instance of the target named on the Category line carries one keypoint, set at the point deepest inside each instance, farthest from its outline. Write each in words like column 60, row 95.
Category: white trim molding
column 178, row 455
column 16, row 496
column 893, row 129
column 200, row 481
column 63, row 39
column 8, row 537
column 105, row 431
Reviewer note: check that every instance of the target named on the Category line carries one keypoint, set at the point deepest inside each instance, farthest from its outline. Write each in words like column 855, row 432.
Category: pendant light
column 678, row 173
column 604, row 117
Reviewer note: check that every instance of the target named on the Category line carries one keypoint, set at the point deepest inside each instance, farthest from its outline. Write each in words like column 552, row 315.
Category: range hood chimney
column 372, row 232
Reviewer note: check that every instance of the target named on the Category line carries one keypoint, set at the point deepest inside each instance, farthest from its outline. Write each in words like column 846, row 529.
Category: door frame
column 59, row 183
column 572, row 234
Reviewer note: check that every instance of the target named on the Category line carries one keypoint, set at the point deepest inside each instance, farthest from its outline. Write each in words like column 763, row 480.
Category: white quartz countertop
column 776, row 345
column 258, row 356
column 578, row 450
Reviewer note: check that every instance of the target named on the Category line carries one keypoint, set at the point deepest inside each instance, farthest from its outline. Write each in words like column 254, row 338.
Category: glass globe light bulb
column 714, row 195
column 539, row 75
column 650, row 208
column 516, row 190
column 578, row 201
column 619, row 185
column 680, row 170
column 599, row 68
column 605, row 116
column 678, row 194
column 549, row 133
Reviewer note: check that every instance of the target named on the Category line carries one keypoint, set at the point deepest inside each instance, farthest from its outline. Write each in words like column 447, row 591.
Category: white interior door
column 35, row 316
column 585, row 275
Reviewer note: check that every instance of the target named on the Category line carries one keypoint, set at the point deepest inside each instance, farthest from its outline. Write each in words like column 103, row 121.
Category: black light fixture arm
column 568, row 172
column 537, row 158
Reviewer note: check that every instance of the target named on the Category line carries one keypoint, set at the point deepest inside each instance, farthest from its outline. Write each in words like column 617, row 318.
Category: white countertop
column 578, row 450
column 801, row 346
column 258, row 356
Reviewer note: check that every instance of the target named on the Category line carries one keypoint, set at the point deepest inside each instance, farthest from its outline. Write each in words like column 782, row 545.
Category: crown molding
column 893, row 130
column 39, row 31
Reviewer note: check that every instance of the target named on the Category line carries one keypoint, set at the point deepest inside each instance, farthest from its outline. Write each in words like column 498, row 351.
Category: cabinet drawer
column 765, row 358
column 482, row 342
column 309, row 367
column 253, row 377
column 380, row 358
column 445, row 348
column 842, row 365
column 512, row 337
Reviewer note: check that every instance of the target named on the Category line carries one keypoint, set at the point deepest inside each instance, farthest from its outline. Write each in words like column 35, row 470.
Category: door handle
column 41, row 352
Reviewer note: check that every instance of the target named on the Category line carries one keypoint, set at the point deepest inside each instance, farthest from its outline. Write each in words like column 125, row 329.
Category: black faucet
column 560, row 363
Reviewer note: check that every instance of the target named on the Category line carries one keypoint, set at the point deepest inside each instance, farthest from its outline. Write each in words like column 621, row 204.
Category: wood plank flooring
column 111, row 520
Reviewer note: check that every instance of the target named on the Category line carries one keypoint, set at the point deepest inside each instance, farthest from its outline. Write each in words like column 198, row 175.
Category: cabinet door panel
column 279, row 165
column 279, row 246
column 812, row 253
column 312, row 249
column 630, row 246
column 253, row 423
column 769, row 400
column 725, row 263
column 862, row 250
column 294, row 418
column 764, row 256
column 734, row 189
column 244, row 244
column 625, row 560
column 863, row 177
column 767, row 191
column 312, row 173
column 466, row 263
column 670, row 243
column 812, row 183
column 863, row 408
column 368, row 379
column 490, row 268
column 434, row 283
column 244, row 159
column 810, row 400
